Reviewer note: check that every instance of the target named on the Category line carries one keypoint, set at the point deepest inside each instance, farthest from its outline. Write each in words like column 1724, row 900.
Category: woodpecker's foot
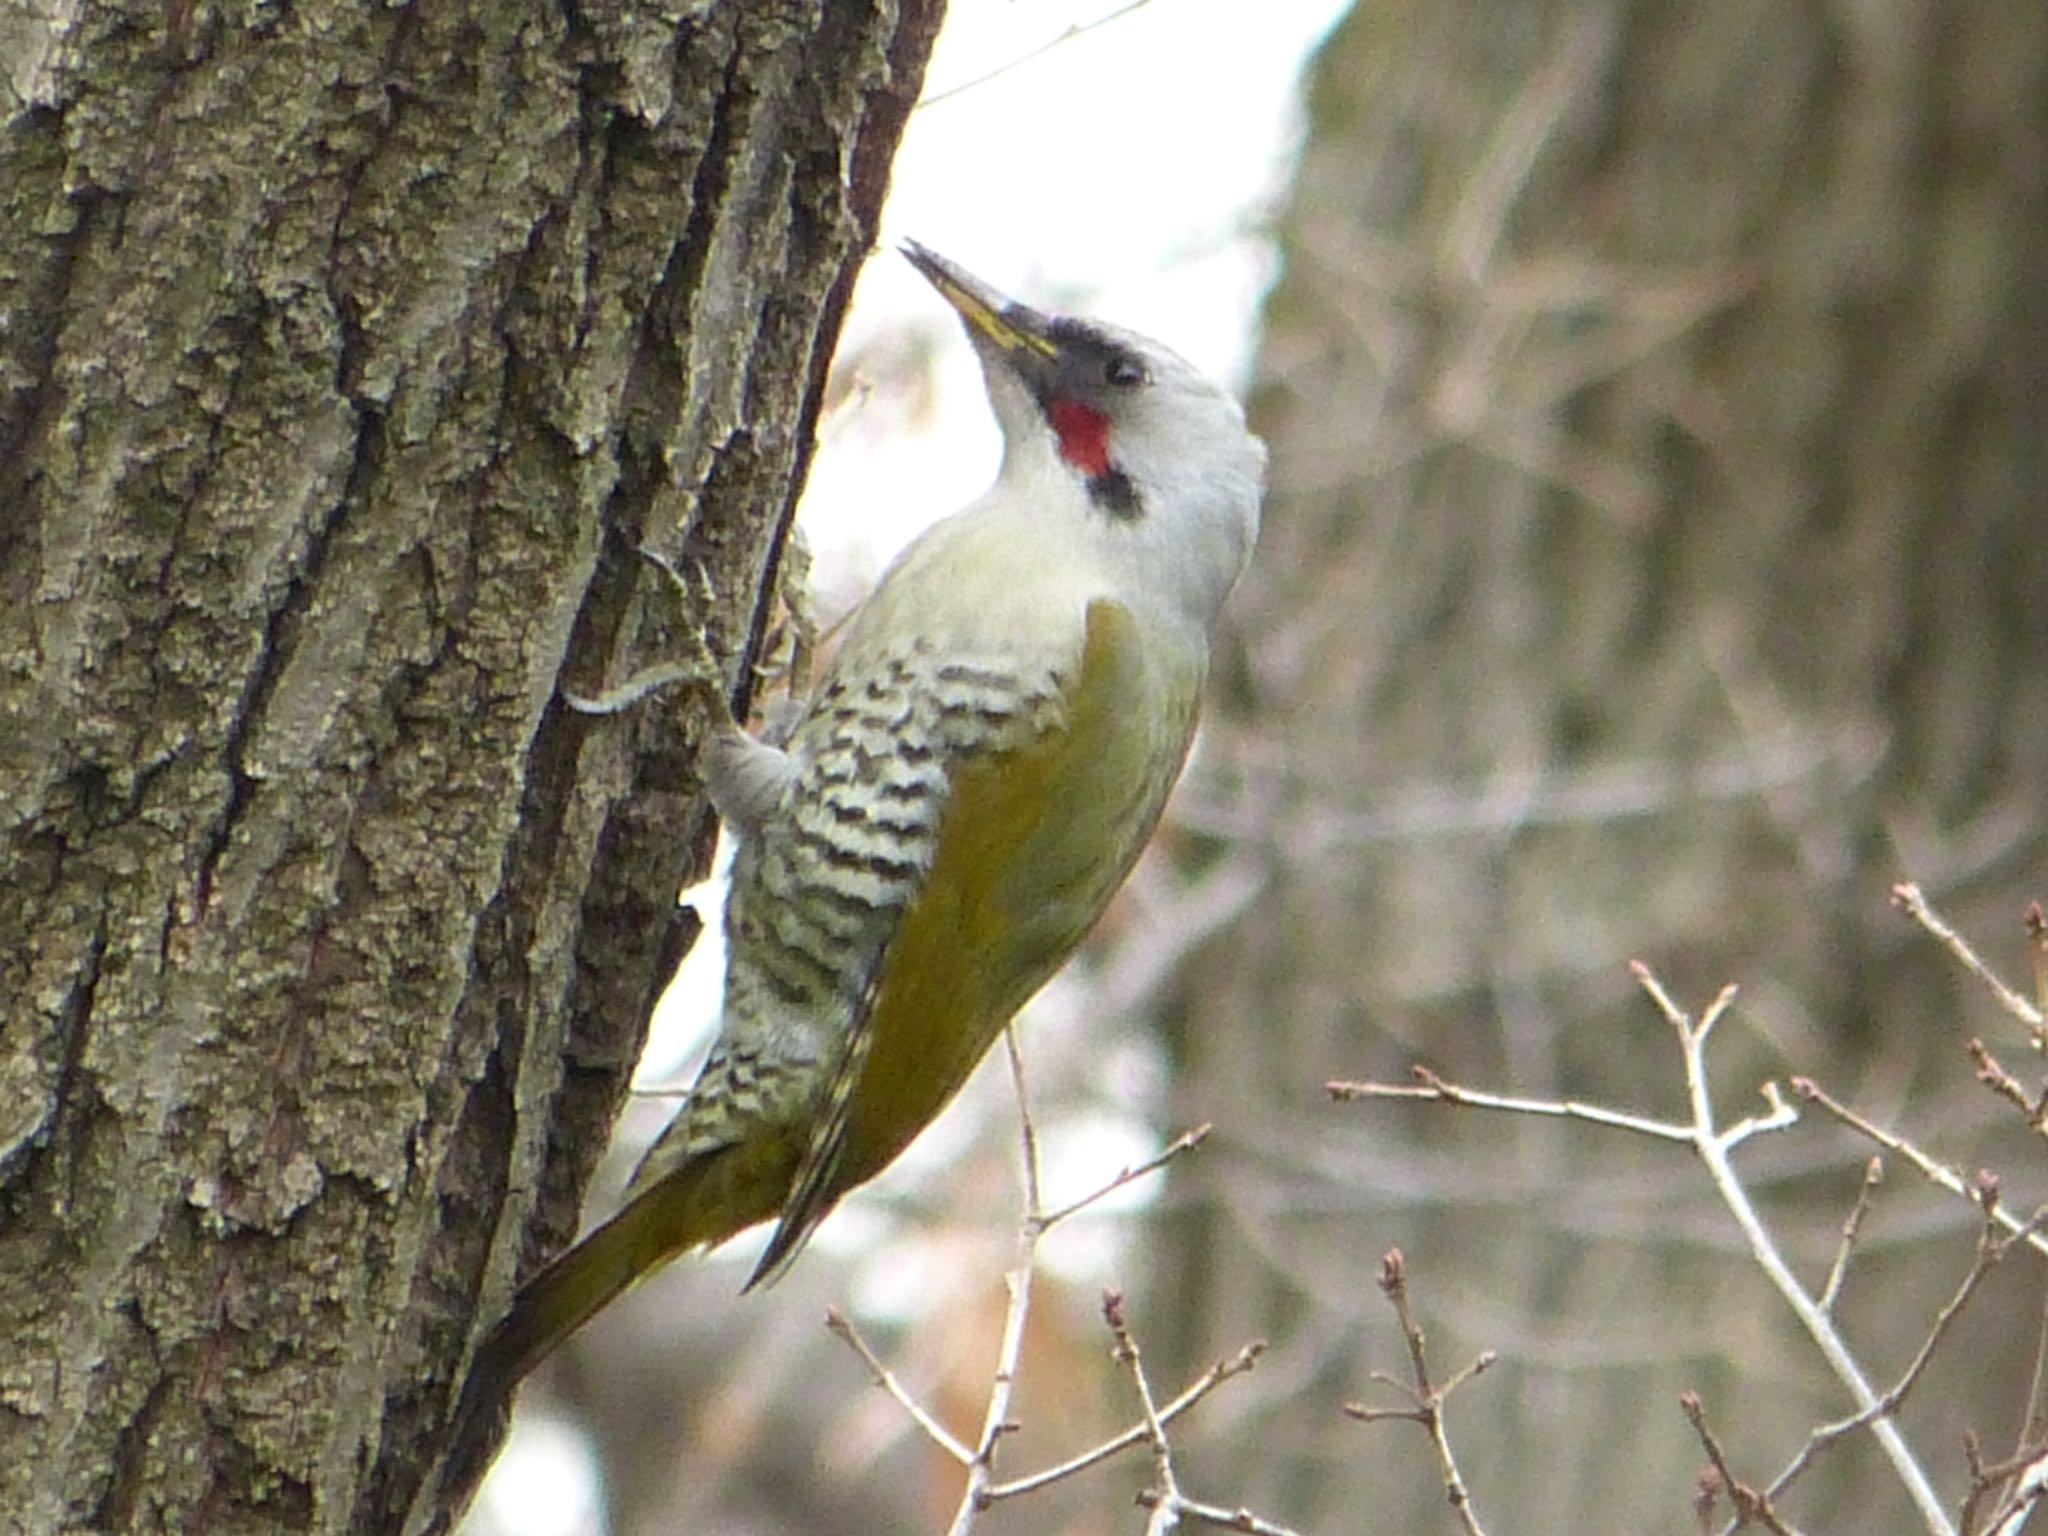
column 791, row 643
column 697, row 670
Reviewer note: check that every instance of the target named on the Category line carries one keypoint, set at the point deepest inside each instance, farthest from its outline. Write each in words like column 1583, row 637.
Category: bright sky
column 1123, row 173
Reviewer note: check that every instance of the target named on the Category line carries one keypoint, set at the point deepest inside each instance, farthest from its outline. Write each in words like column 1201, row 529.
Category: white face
column 1168, row 474
column 1117, row 443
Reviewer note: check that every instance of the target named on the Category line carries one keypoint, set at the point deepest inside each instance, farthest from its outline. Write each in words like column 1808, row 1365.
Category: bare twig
column 1166, row 1495
column 1750, row 1505
column 2037, row 950
column 2024, row 1477
column 2031, row 1431
column 1187, row 1141
column 1935, row 1173
column 1165, row 1499
column 982, row 1489
column 1202, row 1386
column 981, row 1469
column 1873, row 1176
column 2028, row 1492
column 1428, row 1398
column 2001, row 1082
column 1027, row 1129
column 1913, row 901
column 886, row 1379
column 1713, row 1146
column 1992, row 1246
column 1078, row 29
column 1433, row 1089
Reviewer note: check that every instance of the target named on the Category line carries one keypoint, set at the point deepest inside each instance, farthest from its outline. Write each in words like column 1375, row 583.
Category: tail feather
column 699, row 1203
column 582, row 1282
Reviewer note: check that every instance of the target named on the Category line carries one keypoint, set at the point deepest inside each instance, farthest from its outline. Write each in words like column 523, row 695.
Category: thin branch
column 981, row 1489
column 1165, row 1499
column 1203, row 1385
column 1077, row 29
column 1034, row 1218
column 1187, row 1141
column 2031, row 1431
column 1935, row 1173
column 1231, row 1519
column 1991, row 1247
column 1750, row 1505
column 2027, row 1475
column 886, row 1379
column 2001, row 1082
column 996, row 1422
column 1873, row 1176
column 2026, row 1497
column 2037, row 950
column 1166, row 1494
column 1428, row 1398
column 1713, row 1147
column 1913, row 901
column 1430, row 1088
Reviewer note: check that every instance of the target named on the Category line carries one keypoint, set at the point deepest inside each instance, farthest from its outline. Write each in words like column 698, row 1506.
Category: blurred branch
column 1428, row 1398
column 981, row 1488
column 1515, row 800
column 1714, row 1144
column 1991, row 1248
column 1913, row 901
column 1165, row 1499
column 1935, row 1173
column 1751, row 1506
column 1434, row 1089
column 1076, row 29
column 1472, row 237
column 1180, row 915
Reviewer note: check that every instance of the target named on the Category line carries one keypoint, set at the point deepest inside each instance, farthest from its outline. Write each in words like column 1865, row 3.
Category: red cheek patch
column 1083, row 432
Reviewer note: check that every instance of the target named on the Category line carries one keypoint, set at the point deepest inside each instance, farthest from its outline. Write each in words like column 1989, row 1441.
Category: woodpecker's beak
column 1015, row 330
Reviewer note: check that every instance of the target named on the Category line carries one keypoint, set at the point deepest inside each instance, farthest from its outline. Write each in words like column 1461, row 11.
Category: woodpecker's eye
column 1124, row 373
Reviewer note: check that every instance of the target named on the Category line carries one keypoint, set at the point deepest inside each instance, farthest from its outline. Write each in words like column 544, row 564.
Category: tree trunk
column 347, row 355
column 1653, row 568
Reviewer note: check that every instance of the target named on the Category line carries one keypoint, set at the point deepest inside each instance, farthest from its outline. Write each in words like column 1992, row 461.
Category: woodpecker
column 978, row 768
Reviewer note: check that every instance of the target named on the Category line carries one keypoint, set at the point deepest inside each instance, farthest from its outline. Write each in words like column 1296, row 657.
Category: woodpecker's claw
column 789, row 650
column 698, row 670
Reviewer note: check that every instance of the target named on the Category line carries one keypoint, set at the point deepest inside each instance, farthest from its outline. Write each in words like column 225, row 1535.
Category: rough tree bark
column 346, row 355
column 1653, row 567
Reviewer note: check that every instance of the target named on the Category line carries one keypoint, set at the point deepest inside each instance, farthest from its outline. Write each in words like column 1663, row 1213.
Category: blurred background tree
column 1654, row 567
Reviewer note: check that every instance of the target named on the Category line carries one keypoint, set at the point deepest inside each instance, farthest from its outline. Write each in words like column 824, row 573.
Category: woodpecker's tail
column 582, row 1282
column 700, row 1202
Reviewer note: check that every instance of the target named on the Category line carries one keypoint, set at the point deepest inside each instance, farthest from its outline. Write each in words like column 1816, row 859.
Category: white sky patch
column 544, row 1485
